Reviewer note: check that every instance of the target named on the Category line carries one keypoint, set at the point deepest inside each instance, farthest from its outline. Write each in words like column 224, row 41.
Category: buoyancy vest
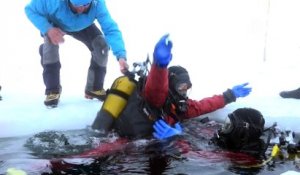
column 138, row 117
column 134, row 122
column 124, row 110
column 128, row 113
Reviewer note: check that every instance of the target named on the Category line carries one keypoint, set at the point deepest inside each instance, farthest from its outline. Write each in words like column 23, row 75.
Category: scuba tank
column 117, row 97
column 114, row 103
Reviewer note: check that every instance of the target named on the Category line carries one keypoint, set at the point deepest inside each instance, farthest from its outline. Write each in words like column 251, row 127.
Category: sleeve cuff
column 229, row 96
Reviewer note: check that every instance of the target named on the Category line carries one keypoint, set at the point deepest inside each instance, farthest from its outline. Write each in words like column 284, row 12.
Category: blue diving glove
column 241, row 90
column 162, row 52
column 163, row 131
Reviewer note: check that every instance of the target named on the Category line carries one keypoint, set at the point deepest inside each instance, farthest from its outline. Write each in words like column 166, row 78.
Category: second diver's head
column 179, row 81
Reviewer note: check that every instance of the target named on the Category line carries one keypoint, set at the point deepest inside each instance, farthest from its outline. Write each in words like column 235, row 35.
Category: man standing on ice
column 56, row 18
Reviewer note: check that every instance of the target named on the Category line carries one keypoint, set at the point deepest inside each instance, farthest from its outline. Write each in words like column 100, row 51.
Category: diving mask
column 227, row 127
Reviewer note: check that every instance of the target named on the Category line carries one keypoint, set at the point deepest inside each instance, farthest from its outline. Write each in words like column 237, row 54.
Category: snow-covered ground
column 222, row 43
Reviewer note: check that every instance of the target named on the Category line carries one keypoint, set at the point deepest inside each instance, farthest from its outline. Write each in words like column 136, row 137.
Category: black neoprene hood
column 177, row 76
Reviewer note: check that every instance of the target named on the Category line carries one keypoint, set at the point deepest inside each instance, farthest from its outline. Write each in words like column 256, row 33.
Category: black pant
column 95, row 42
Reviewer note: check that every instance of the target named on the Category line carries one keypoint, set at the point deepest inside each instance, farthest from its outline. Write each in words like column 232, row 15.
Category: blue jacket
column 45, row 14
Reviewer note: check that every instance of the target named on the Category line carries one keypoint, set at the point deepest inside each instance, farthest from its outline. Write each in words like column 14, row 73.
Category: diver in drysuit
column 158, row 102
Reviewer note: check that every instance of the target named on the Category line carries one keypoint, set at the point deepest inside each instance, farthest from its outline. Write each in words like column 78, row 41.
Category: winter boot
column 291, row 94
column 52, row 100
column 99, row 94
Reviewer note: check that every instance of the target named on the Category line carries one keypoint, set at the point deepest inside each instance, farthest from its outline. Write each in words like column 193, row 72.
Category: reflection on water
column 78, row 152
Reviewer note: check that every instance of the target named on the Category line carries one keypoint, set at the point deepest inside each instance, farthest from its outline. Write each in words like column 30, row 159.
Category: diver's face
column 182, row 89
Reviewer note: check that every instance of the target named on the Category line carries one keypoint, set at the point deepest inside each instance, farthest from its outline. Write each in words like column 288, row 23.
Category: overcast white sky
column 222, row 43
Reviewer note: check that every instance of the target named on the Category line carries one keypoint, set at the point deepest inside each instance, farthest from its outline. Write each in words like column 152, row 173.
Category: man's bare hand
column 56, row 35
column 123, row 65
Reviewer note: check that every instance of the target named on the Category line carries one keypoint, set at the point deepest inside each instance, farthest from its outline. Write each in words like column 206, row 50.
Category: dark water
column 186, row 155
